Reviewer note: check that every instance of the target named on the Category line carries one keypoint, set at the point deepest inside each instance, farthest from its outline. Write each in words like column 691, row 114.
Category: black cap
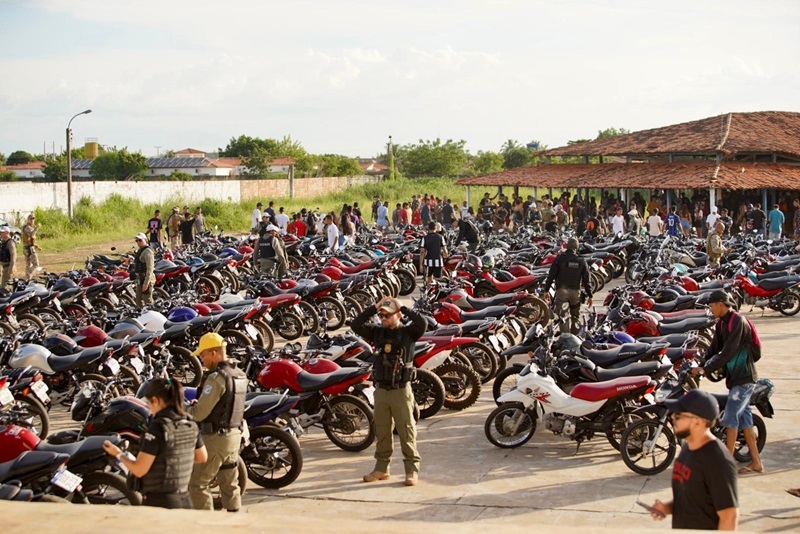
column 695, row 402
column 720, row 295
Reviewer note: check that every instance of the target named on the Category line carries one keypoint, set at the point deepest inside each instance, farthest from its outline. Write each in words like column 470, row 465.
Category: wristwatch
column 702, row 372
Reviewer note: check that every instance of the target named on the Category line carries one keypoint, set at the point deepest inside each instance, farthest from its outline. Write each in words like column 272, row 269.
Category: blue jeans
column 737, row 413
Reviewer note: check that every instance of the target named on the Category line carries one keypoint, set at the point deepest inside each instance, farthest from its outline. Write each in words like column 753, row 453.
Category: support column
column 669, row 199
column 712, row 198
column 469, row 202
column 764, row 209
column 291, row 181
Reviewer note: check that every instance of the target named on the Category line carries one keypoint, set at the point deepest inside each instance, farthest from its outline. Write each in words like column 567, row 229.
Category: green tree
column 515, row 155
column 118, row 165
column 2, row 159
column 55, row 169
column 433, row 158
column 611, row 132
column 180, row 176
column 256, row 162
column 8, row 176
column 487, row 162
column 336, row 165
column 18, row 157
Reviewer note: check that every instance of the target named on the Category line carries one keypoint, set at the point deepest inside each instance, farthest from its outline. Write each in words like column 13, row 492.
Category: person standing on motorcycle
column 168, row 450
column 219, row 412
column 569, row 271
column 143, row 265
column 393, row 371
column 704, row 487
column 730, row 350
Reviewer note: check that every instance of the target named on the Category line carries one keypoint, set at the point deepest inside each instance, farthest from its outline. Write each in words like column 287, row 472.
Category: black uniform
column 469, row 233
column 569, row 271
column 433, row 244
column 172, row 439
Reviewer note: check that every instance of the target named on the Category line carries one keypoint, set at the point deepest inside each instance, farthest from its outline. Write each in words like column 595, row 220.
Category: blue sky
column 340, row 76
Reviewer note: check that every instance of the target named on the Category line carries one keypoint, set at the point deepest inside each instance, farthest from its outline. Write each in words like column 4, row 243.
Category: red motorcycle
column 781, row 294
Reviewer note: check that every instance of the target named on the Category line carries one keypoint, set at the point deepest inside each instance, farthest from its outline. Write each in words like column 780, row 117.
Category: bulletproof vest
column 26, row 239
column 394, row 359
column 228, row 413
column 5, row 254
column 172, row 467
column 569, row 273
column 138, row 264
column 265, row 248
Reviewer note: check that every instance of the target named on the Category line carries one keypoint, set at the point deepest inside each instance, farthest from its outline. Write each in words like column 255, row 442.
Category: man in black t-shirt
column 432, row 253
column 154, row 227
column 758, row 217
column 186, row 229
column 704, row 488
column 447, row 215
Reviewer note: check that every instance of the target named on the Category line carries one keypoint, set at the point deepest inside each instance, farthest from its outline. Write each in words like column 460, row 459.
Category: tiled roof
column 190, row 151
column 35, row 165
column 679, row 175
column 283, row 161
column 763, row 132
column 373, row 166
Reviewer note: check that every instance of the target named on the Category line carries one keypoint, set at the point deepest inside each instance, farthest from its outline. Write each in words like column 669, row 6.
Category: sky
column 340, row 76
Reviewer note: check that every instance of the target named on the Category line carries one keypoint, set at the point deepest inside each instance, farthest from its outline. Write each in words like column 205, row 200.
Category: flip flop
column 749, row 471
column 794, row 491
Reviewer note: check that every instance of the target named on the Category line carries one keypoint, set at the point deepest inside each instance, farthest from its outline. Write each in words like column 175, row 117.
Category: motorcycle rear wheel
column 505, row 381
column 276, row 459
column 332, row 313
column 408, row 283
column 462, row 385
column 29, row 413
column 288, row 325
column 659, row 454
column 534, row 310
column 106, row 488
column 184, row 367
column 789, row 303
column 510, row 425
column 481, row 358
column 429, row 393
column 310, row 317
column 350, row 423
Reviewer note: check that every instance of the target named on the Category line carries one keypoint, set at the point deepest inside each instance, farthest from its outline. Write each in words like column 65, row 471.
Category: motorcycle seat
column 686, row 325
column 782, row 282
column 773, row 274
column 116, row 344
column 229, row 315
column 175, row 330
column 598, row 391
column 781, row 265
column 671, row 305
column 452, row 330
column 80, row 451
column 313, row 382
column 674, row 340
column 234, row 305
column 71, row 361
column 69, row 293
column 633, row 369
column 275, row 290
column 515, row 284
column 258, row 403
column 28, row 463
column 495, row 300
column 99, row 287
column 107, row 259
column 712, row 284
column 421, row 347
column 490, row 312
column 609, row 356
column 277, row 300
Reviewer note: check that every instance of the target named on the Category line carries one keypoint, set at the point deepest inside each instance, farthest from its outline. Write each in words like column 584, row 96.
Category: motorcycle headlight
column 663, row 393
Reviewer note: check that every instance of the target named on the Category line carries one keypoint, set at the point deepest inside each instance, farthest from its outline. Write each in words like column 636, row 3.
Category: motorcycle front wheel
column 106, row 488
column 510, row 425
column 462, row 385
column 789, row 303
column 429, row 393
column 648, row 447
column 274, row 459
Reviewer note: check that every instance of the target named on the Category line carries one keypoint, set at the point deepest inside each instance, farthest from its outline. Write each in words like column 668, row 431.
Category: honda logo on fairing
column 623, row 388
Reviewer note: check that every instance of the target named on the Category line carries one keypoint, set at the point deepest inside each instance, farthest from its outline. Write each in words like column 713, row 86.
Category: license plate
column 67, row 481
column 112, row 365
column 234, row 270
column 251, row 331
column 369, row 393
column 6, row 397
column 267, row 317
column 39, row 389
column 88, row 305
column 113, row 298
column 57, row 305
column 137, row 364
column 495, row 342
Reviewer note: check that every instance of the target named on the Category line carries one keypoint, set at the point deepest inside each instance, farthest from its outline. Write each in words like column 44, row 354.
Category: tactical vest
column 265, row 249
column 138, row 264
column 27, row 240
column 5, row 254
column 228, row 413
column 172, row 467
column 394, row 359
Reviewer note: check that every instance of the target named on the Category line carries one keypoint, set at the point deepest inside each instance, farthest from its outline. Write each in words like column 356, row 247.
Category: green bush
column 8, row 176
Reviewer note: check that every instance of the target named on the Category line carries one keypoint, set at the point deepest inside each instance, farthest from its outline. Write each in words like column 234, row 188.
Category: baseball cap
column 31, row 216
column 210, row 340
column 272, row 228
column 5, row 229
column 696, row 402
column 139, row 236
column 389, row 307
column 175, row 208
column 720, row 295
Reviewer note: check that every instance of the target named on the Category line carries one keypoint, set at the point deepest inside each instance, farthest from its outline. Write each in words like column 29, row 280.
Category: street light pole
column 69, row 162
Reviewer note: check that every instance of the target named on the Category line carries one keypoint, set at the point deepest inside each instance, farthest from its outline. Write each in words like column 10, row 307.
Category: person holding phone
column 704, row 487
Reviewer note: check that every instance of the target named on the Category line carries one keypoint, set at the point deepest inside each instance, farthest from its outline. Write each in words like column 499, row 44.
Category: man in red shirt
column 297, row 226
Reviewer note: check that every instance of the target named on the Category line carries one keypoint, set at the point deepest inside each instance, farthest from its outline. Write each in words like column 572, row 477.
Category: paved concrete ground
column 467, row 484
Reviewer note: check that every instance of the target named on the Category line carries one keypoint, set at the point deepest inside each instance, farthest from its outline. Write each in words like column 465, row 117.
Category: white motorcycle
column 588, row 408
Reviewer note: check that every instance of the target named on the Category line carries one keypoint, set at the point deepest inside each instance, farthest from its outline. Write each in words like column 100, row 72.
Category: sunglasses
column 679, row 416
column 385, row 315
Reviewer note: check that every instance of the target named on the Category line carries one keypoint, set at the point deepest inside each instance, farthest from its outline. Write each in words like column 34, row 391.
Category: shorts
column 737, row 413
column 685, row 224
column 435, row 272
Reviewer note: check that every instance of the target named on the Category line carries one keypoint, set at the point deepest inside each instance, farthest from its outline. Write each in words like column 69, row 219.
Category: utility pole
column 69, row 162
column 391, row 159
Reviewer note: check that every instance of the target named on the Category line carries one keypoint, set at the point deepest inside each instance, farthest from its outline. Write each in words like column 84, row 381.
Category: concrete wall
column 20, row 198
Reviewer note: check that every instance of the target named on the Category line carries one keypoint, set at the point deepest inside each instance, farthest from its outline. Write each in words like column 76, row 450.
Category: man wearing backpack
column 734, row 351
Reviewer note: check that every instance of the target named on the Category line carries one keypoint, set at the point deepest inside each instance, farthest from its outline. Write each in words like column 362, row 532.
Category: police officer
column 143, row 264
column 569, row 271
column 168, row 450
column 468, row 232
column 219, row 410
column 8, row 255
column 30, row 246
column 393, row 371
column 271, row 252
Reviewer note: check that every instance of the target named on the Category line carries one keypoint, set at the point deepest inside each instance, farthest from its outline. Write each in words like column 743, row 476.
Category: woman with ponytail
column 168, row 450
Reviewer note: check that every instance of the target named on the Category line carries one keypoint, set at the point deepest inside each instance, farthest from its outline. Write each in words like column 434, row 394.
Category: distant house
column 372, row 167
column 26, row 171
column 190, row 153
